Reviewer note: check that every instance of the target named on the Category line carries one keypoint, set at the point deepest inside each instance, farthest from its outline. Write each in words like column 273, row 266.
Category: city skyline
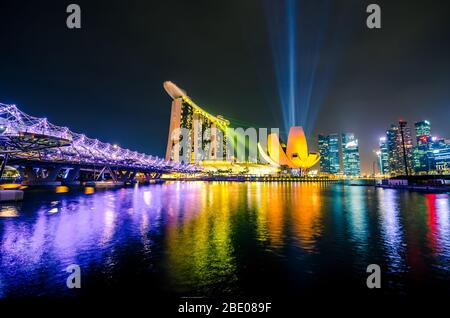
column 400, row 154
column 125, row 68
column 211, row 157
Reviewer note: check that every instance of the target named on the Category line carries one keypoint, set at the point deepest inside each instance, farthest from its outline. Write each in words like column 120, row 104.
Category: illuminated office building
column 329, row 154
column 423, row 154
column 399, row 143
column 440, row 149
column 350, row 155
column 324, row 153
column 423, row 128
column 383, row 156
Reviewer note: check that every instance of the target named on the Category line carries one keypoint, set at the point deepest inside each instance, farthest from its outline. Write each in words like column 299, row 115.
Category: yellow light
column 10, row 186
column 89, row 190
column 9, row 212
column 296, row 154
column 220, row 122
column 62, row 189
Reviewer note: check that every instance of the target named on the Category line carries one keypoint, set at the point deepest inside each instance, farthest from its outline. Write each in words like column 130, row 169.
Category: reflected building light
column 108, row 229
column 147, row 197
column 443, row 222
column 392, row 232
column 432, row 222
column 250, row 196
column 144, row 229
column 307, row 215
column 261, row 213
column 358, row 218
column 89, row 190
column 276, row 209
column 199, row 235
column 8, row 212
column 62, row 189
column 53, row 210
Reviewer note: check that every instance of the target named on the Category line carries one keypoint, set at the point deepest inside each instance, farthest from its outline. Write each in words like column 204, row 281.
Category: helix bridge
column 43, row 151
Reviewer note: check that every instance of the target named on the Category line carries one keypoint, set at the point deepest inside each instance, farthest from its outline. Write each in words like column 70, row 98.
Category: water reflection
column 270, row 213
column 307, row 218
column 8, row 211
column 391, row 230
column 438, row 224
column 218, row 238
column 198, row 238
column 356, row 212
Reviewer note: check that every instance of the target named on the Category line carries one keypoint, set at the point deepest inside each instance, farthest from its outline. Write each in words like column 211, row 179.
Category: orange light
column 62, row 189
column 89, row 190
column 10, row 186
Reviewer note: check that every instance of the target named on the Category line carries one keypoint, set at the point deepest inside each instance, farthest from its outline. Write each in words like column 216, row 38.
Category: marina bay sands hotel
column 209, row 141
column 205, row 131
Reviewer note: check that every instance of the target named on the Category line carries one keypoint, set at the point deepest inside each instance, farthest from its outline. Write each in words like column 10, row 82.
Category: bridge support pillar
column 30, row 174
column 152, row 175
column 123, row 176
column 132, row 175
column 3, row 165
column 52, row 174
column 72, row 175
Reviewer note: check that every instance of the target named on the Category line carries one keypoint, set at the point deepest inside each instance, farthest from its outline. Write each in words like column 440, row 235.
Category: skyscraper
column 333, row 146
column 383, row 156
column 350, row 155
column 324, row 154
column 329, row 153
column 440, row 155
column 204, row 134
column 399, row 144
column 422, row 153
column 423, row 128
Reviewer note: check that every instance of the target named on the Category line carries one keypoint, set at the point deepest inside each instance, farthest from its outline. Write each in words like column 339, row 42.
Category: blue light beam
column 297, row 32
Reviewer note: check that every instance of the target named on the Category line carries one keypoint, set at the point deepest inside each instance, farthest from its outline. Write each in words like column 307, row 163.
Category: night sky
column 106, row 79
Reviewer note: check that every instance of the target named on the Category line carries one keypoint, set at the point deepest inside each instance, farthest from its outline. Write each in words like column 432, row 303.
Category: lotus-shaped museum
column 295, row 155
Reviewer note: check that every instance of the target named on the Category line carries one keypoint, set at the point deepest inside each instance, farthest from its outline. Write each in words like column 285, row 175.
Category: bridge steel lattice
column 47, row 152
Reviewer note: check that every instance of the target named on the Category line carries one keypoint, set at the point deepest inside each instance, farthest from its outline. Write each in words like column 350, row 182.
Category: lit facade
column 329, row 154
column 400, row 148
column 441, row 155
column 350, row 155
column 423, row 128
column 423, row 154
column 296, row 154
column 383, row 156
column 205, row 133
column 324, row 154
